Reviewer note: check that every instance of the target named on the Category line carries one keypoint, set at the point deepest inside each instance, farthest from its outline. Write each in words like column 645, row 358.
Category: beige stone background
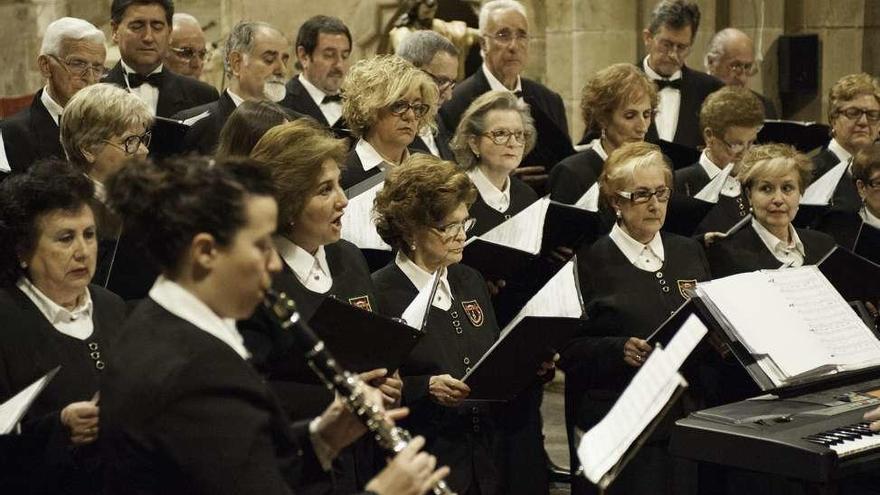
column 572, row 39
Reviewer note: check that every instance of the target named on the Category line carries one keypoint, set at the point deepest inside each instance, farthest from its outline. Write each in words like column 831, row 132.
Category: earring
column 412, row 247
column 23, row 264
column 617, row 212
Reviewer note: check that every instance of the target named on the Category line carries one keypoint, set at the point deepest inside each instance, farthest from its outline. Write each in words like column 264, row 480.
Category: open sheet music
column 822, row 189
column 524, row 231
column 416, row 314
column 793, row 322
column 357, row 224
column 712, row 191
column 605, row 448
column 15, row 408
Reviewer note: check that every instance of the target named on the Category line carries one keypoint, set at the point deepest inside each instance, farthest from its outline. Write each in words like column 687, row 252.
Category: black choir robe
column 30, row 135
column 690, row 180
column 177, row 92
column 29, row 348
column 571, row 178
column 463, row 438
column 745, row 252
column 183, row 413
column 536, row 95
column 441, row 138
column 521, row 196
column 623, row 301
column 695, row 87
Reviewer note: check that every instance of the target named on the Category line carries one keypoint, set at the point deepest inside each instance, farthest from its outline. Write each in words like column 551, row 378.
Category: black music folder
column 684, row 214
column 805, row 136
column 868, row 243
column 854, row 276
column 680, row 155
column 361, row 340
column 512, row 363
column 525, row 272
column 808, row 216
column 167, row 139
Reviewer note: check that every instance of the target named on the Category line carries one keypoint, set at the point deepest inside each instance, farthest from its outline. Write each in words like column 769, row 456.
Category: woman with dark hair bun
column 183, row 411
column 53, row 317
column 247, row 124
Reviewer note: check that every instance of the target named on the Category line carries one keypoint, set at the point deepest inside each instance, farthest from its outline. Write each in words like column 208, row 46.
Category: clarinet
column 348, row 385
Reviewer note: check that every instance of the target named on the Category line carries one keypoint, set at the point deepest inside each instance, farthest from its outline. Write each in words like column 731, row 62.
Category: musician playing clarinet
column 182, row 410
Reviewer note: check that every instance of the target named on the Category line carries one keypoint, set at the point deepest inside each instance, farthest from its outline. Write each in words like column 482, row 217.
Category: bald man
column 731, row 58
column 186, row 52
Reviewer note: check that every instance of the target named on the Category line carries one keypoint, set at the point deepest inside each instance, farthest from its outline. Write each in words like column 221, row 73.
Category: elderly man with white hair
column 731, row 58
column 187, row 47
column 71, row 57
column 504, row 44
column 256, row 62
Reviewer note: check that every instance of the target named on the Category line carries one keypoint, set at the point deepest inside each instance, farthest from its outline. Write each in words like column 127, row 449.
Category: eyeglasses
column 645, row 195
column 749, row 69
column 506, row 37
column 442, row 83
column 451, row 230
column 669, row 47
column 855, row 113
column 871, row 183
column 131, row 144
column 401, row 106
column 189, row 53
column 81, row 68
column 736, row 148
column 502, row 136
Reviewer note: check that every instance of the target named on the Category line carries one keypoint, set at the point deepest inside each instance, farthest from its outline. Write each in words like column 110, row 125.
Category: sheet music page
column 645, row 396
column 357, row 223
column 414, row 314
column 712, row 190
column 13, row 409
column 590, row 200
column 523, row 231
column 685, row 340
column 822, row 189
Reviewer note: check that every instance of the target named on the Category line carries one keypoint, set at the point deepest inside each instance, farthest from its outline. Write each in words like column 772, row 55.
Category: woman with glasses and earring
column 423, row 213
column 854, row 116
column 386, row 101
column 731, row 119
column 631, row 280
column 618, row 105
column 104, row 126
column 494, row 134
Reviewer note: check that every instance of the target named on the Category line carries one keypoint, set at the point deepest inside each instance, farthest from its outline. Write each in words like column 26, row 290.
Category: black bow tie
column 331, row 98
column 135, row 80
column 666, row 83
column 518, row 94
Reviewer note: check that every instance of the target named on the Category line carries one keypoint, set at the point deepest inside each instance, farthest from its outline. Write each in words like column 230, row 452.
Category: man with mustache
column 323, row 46
column 505, row 48
column 731, row 58
column 142, row 29
column 256, row 59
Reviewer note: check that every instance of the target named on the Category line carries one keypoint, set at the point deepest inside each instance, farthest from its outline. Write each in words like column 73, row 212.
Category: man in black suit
column 142, row 29
column 437, row 57
column 505, row 46
column 323, row 45
column 256, row 61
column 71, row 58
column 731, row 58
column 668, row 40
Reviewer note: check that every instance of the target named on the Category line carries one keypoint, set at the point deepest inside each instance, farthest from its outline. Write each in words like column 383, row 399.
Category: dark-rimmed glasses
column 189, row 53
column 131, row 144
column 401, row 106
column 506, row 37
column 644, row 195
column 443, row 83
column 451, row 230
column 502, row 136
column 855, row 113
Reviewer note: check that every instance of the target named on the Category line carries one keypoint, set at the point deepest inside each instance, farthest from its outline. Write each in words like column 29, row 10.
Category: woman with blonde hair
column 386, row 101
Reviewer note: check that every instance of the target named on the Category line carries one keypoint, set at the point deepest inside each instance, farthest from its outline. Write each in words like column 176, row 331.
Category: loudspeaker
column 798, row 63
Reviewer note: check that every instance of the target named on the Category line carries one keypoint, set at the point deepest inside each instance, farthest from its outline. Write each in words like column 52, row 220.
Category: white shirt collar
column 184, row 304
column 419, row 278
column 370, row 158
column 870, row 218
column 633, row 249
column 776, row 245
column 316, row 93
column 299, row 260
column 64, row 320
column 51, row 105
column 732, row 187
column 237, row 100
column 652, row 74
column 838, row 150
column 129, row 70
column 496, row 85
column 495, row 198
column 596, row 145
column 100, row 189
